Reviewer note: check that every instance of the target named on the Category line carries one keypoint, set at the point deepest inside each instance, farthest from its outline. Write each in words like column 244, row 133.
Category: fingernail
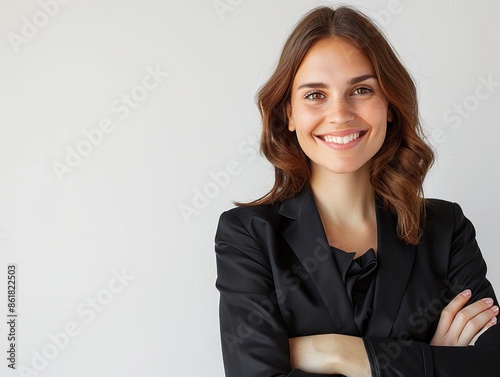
column 494, row 309
column 488, row 301
column 466, row 293
column 493, row 321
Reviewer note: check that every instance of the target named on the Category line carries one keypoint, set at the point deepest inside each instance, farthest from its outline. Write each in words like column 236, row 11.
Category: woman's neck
column 346, row 204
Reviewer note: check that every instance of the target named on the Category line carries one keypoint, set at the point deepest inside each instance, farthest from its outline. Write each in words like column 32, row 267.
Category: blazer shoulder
column 247, row 214
column 442, row 209
column 443, row 205
column 447, row 217
column 249, row 230
column 243, row 213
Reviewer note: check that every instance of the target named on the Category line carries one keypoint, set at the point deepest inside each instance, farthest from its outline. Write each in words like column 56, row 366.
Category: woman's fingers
column 461, row 325
column 450, row 311
column 492, row 322
column 478, row 324
column 471, row 320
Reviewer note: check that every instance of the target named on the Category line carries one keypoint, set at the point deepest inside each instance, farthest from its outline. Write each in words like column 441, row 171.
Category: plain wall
column 72, row 223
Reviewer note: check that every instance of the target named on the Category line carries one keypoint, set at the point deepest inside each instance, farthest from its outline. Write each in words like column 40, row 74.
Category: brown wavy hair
column 398, row 169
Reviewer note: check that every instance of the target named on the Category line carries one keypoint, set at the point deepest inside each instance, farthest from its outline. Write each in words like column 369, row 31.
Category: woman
column 343, row 267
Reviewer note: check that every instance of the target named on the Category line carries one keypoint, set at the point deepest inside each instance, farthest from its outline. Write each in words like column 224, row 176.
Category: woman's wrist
column 330, row 354
column 352, row 359
column 329, row 347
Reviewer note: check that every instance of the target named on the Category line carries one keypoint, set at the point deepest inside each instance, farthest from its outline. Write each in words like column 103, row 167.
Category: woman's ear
column 291, row 123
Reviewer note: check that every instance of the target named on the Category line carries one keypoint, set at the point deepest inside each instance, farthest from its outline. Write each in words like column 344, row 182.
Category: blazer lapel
column 305, row 234
column 395, row 261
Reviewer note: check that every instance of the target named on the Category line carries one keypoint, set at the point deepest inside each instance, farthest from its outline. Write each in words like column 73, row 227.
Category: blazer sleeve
column 253, row 334
column 403, row 357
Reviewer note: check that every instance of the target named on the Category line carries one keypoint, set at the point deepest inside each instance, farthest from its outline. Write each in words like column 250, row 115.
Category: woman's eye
column 361, row 91
column 314, row 96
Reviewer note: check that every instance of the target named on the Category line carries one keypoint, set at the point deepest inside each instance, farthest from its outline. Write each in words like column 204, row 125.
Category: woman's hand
column 330, row 354
column 461, row 326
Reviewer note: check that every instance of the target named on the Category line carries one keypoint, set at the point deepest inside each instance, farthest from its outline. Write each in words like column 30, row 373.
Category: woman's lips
column 342, row 139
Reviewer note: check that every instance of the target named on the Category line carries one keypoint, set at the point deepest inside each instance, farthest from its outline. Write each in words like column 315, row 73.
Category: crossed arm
column 459, row 325
column 255, row 341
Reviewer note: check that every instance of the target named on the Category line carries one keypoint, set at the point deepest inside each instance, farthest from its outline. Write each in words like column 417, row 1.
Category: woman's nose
column 340, row 111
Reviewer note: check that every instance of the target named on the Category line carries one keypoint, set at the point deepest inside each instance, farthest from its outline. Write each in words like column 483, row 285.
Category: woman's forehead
column 336, row 57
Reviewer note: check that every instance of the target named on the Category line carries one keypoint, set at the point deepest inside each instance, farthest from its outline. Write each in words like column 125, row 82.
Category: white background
column 118, row 208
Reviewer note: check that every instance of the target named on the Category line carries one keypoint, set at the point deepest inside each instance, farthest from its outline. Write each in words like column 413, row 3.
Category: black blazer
column 278, row 279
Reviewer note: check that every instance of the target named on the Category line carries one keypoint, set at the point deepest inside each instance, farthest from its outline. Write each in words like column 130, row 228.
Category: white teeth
column 341, row 140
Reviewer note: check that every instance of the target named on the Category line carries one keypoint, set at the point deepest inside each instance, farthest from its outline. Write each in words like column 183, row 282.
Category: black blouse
column 358, row 276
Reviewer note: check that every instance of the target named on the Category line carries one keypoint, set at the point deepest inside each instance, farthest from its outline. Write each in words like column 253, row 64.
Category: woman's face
column 337, row 108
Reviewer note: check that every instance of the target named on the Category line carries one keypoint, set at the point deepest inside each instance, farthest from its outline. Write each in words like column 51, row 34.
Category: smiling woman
column 334, row 87
column 341, row 127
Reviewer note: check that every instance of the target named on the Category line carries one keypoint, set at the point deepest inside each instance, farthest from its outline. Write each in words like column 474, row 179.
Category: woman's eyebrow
column 356, row 80
column 313, row 85
column 352, row 81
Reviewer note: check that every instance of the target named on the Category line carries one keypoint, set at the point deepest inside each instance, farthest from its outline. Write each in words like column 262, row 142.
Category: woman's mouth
column 341, row 140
